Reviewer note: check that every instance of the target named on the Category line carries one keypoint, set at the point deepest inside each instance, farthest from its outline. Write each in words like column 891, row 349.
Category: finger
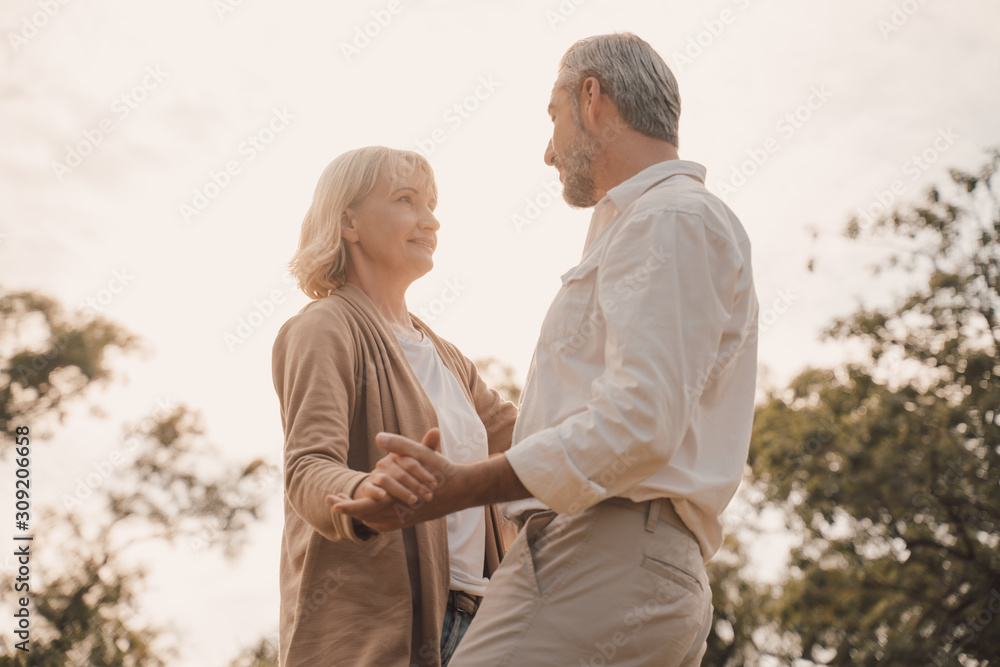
column 357, row 508
column 403, row 446
column 432, row 439
column 416, row 470
column 369, row 489
column 331, row 499
column 400, row 491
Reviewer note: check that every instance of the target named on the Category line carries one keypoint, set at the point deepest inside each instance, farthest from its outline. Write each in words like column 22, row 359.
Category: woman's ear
column 348, row 227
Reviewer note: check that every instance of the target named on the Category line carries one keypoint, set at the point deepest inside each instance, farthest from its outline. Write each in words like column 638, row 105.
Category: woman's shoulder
column 329, row 317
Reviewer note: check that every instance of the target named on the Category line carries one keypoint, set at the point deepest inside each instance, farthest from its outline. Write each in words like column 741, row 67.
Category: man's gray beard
column 578, row 172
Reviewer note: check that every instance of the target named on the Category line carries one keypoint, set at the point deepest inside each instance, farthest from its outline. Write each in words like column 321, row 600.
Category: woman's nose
column 430, row 221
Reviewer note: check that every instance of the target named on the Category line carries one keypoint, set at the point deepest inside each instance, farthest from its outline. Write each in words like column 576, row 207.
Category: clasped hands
column 413, row 483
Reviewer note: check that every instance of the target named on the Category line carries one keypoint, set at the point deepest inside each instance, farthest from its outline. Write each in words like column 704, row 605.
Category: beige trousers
column 611, row 586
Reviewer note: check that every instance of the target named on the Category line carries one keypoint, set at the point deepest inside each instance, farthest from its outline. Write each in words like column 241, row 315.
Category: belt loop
column 653, row 516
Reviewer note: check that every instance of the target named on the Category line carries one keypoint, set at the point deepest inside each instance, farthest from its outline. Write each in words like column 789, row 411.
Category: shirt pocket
column 573, row 305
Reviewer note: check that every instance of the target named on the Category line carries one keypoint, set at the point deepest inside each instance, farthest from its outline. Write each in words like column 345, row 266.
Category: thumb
column 432, row 439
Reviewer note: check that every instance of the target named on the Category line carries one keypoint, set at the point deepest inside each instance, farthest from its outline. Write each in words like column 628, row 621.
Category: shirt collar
column 626, row 192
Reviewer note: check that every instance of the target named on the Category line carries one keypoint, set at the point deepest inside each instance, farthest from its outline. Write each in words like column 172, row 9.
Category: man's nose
column 550, row 155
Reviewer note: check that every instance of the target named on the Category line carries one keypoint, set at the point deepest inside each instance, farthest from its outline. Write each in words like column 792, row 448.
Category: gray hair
column 633, row 75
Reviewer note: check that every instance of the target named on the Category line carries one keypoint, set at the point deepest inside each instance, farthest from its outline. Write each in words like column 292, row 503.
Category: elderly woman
column 352, row 363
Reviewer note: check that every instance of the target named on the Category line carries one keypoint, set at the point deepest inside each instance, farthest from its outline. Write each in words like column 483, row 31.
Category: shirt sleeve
column 665, row 290
column 312, row 367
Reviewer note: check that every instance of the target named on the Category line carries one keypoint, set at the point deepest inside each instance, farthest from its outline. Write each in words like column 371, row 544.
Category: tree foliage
column 86, row 599
column 888, row 469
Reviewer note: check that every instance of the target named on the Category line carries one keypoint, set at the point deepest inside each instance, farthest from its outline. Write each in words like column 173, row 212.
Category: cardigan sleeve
column 312, row 366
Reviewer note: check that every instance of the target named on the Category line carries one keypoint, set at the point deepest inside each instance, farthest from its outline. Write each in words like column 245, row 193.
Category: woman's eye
column 405, row 198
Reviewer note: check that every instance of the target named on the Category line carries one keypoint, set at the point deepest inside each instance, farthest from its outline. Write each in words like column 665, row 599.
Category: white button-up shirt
column 642, row 383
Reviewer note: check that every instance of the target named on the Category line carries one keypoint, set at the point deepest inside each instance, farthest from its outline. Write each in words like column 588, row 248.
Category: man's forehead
column 554, row 98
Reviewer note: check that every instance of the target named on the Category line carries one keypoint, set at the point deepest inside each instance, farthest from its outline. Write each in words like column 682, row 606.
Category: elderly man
column 635, row 419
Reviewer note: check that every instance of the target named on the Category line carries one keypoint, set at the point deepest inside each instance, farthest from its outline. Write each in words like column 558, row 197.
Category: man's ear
column 591, row 101
column 348, row 228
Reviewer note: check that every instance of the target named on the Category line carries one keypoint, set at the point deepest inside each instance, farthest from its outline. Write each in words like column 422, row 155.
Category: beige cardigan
column 354, row 599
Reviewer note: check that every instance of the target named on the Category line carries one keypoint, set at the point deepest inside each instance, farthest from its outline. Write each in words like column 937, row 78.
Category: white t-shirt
column 463, row 440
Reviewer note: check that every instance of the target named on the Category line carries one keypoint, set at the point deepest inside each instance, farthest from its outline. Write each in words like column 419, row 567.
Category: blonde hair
column 319, row 265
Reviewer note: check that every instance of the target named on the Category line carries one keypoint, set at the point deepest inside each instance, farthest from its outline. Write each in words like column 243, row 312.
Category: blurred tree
column 84, row 599
column 500, row 376
column 262, row 654
column 888, row 469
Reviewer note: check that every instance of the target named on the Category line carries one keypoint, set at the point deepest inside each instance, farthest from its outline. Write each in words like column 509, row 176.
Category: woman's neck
column 389, row 299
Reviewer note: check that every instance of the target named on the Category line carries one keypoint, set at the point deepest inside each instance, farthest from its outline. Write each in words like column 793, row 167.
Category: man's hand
column 458, row 486
column 398, row 507
column 401, row 477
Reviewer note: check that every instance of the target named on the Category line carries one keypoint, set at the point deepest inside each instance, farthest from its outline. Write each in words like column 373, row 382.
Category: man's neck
column 630, row 154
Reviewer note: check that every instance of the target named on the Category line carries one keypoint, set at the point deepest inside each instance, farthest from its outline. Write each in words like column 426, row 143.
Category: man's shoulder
column 689, row 199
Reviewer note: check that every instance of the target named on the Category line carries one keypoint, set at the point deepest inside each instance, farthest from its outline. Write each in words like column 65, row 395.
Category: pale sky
column 118, row 115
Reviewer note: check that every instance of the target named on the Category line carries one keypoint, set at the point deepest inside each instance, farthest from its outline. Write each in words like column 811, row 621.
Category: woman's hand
column 401, row 477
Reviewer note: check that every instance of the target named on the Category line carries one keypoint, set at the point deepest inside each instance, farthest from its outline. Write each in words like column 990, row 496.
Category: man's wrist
column 494, row 481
